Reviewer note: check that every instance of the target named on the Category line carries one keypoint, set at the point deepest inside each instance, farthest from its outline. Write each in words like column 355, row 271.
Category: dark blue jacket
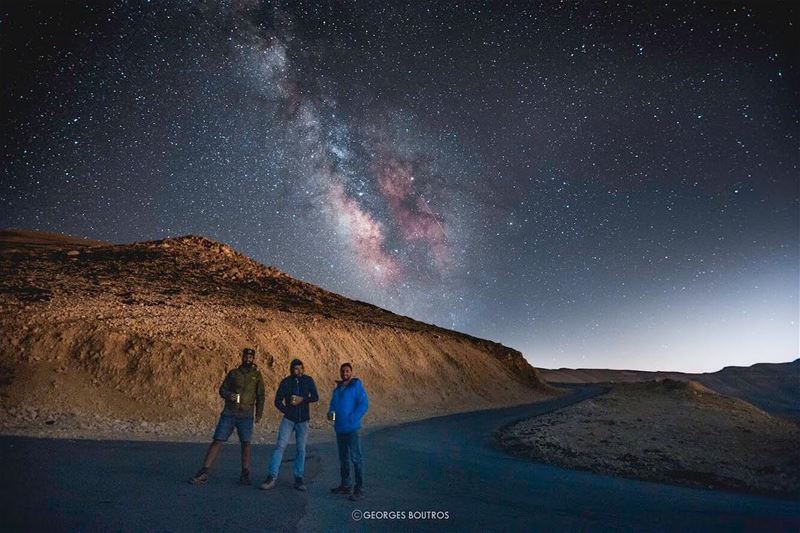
column 350, row 403
column 303, row 386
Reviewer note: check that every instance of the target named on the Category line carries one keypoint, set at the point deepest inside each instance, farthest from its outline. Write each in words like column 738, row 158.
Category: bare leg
column 245, row 456
column 211, row 454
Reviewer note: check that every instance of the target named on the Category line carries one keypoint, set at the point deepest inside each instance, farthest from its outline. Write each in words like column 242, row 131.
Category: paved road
column 447, row 464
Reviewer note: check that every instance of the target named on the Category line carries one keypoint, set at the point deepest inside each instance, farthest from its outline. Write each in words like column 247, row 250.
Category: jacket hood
column 293, row 364
column 353, row 381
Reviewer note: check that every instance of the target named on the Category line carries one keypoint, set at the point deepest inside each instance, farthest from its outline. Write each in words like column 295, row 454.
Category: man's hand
column 297, row 400
column 232, row 397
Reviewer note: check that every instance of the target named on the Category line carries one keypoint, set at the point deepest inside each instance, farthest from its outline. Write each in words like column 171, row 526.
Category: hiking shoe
column 269, row 484
column 299, row 485
column 341, row 489
column 357, row 495
column 200, row 478
column 244, row 479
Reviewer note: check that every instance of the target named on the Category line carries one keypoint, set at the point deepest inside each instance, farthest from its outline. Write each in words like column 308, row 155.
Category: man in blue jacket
column 348, row 405
column 294, row 394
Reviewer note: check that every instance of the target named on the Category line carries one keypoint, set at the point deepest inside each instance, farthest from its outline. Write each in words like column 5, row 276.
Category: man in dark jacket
column 242, row 390
column 348, row 405
column 292, row 398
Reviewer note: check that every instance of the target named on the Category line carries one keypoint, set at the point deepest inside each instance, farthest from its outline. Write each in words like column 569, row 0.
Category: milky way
column 596, row 185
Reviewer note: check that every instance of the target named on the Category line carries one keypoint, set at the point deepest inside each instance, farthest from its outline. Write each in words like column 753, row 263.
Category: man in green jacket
column 242, row 390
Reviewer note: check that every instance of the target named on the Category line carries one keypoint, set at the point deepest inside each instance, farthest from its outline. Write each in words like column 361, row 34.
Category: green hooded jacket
column 248, row 382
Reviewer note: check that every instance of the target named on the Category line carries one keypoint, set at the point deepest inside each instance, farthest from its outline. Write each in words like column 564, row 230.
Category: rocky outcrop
column 145, row 332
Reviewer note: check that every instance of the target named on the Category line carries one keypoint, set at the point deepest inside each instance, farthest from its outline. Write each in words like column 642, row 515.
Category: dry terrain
column 774, row 387
column 667, row 431
column 132, row 341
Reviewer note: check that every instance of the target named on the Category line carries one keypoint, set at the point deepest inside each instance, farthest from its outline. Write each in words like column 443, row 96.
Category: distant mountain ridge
column 774, row 387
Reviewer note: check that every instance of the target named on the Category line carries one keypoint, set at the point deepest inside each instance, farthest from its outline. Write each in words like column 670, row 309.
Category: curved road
column 447, row 465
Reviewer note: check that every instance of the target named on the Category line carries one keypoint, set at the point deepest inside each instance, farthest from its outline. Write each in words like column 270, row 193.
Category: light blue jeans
column 285, row 430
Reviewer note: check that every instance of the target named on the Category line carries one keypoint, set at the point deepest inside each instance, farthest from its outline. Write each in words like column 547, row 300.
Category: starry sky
column 597, row 184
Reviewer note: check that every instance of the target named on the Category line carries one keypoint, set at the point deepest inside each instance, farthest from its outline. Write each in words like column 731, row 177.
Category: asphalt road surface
column 442, row 474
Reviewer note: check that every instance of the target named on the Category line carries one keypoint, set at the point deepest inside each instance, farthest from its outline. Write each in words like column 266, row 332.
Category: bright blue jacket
column 349, row 403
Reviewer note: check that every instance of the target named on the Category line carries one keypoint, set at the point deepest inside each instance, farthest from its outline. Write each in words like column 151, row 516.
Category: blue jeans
column 350, row 450
column 300, row 438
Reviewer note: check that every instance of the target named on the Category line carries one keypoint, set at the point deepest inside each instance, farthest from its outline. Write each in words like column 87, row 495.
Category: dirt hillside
column 668, row 431
column 774, row 387
column 132, row 341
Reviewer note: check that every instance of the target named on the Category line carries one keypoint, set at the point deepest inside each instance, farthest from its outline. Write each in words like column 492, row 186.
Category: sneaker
column 299, row 485
column 244, row 479
column 341, row 489
column 357, row 495
column 200, row 478
column 269, row 484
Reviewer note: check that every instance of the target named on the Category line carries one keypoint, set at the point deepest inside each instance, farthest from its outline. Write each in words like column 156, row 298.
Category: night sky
column 595, row 184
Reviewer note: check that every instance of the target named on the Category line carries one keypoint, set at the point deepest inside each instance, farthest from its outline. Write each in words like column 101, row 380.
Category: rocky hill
column 132, row 341
column 774, row 387
column 668, row 431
